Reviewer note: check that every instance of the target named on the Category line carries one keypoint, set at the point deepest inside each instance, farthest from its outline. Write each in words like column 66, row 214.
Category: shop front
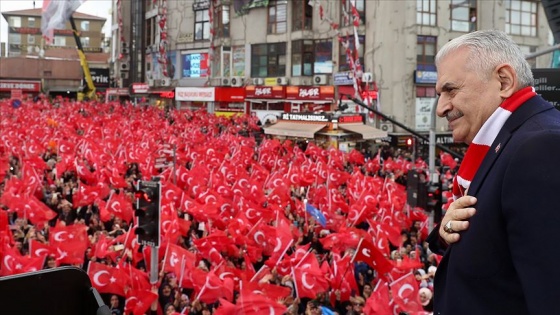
column 195, row 98
column 309, row 99
column 162, row 97
column 265, row 102
column 229, row 101
column 325, row 129
column 17, row 89
column 139, row 94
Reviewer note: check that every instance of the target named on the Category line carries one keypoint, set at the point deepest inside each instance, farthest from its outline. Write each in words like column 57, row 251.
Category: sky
column 99, row 8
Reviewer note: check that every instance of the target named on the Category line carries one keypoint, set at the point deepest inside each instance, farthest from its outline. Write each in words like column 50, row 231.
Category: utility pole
column 434, row 177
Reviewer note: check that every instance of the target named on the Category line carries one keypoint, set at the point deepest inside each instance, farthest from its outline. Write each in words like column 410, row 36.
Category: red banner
column 230, row 94
column 267, row 92
column 24, row 86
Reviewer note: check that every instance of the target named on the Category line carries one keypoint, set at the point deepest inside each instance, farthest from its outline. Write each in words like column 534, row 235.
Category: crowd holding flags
column 241, row 194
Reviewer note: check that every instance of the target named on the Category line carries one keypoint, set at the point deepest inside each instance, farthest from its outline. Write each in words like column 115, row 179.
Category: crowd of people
column 237, row 217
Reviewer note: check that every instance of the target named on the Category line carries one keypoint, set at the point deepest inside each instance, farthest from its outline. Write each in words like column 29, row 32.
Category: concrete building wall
column 390, row 29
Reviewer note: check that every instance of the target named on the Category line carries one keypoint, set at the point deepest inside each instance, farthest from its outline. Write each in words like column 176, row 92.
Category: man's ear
column 508, row 80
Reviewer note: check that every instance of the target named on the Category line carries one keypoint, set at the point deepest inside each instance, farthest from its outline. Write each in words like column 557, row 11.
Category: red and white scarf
column 484, row 138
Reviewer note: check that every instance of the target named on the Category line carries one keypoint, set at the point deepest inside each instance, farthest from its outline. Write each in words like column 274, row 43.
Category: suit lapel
column 532, row 107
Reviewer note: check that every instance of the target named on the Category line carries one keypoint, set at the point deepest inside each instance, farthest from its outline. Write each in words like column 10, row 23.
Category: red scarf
column 483, row 140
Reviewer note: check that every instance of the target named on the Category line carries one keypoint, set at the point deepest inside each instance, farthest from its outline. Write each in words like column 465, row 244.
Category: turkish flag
column 309, row 282
column 38, row 249
column 209, row 286
column 120, row 205
column 177, row 258
column 139, row 301
column 107, row 279
column 257, row 304
column 405, row 293
column 378, row 302
column 368, row 253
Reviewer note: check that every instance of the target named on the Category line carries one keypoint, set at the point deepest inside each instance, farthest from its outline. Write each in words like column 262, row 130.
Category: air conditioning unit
column 124, row 44
column 320, row 79
column 151, row 82
column 387, row 126
column 367, row 77
column 257, row 81
column 236, row 81
column 148, row 50
column 124, row 50
column 166, row 82
column 282, row 81
column 225, row 81
column 124, row 66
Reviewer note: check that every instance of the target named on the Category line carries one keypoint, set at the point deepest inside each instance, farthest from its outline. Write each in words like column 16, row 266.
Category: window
column 521, row 17
column 425, row 91
column 323, row 57
column 85, row 41
column 463, row 15
column 426, row 12
column 202, row 25
column 529, row 50
column 302, row 15
column 277, row 17
column 15, row 21
column 14, row 38
column 426, row 53
column 30, row 39
column 31, row 22
column 344, row 60
column 59, row 41
column 302, row 57
column 348, row 16
column 268, row 60
column 150, row 31
column 221, row 26
column 84, row 26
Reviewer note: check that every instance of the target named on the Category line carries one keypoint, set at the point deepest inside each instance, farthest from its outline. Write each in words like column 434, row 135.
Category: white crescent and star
column 99, row 274
column 304, row 281
column 57, row 236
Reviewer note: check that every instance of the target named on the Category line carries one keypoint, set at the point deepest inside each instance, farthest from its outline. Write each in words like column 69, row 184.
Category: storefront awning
column 367, row 132
column 292, row 129
column 261, row 100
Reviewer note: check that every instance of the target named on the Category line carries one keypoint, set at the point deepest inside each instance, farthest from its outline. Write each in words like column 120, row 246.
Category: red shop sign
column 310, row 93
column 274, row 92
column 24, row 86
column 230, row 94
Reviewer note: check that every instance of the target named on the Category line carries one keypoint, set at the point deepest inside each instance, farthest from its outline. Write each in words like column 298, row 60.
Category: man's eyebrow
column 447, row 86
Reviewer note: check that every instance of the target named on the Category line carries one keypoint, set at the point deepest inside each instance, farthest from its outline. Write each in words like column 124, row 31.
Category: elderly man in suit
column 497, row 236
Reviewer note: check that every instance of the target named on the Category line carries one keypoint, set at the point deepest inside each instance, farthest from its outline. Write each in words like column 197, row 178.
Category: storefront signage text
column 167, row 94
column 195, row 94
column 350, row 119
column 140, row 88
column 263, row 91
column 20, row 85
column 309, row 92
column 305, row 117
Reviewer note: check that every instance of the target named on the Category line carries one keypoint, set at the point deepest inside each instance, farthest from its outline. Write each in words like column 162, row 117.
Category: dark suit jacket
column 508, row 261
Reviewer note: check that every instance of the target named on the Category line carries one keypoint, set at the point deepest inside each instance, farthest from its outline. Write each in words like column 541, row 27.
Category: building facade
column 301, row 55
column 54, row 68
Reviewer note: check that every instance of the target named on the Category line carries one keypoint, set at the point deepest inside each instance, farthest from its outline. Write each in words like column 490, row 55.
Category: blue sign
column 425, row 77
column 343, row 78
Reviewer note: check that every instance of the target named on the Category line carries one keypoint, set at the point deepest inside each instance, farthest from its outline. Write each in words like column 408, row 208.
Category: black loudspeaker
column 58, row 291
column 552, row 11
